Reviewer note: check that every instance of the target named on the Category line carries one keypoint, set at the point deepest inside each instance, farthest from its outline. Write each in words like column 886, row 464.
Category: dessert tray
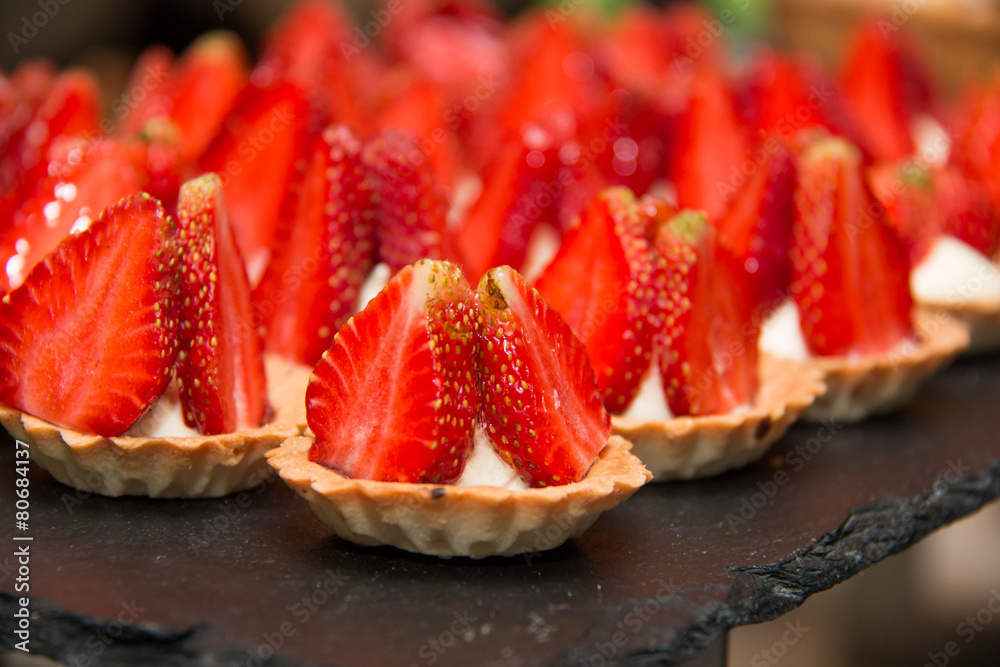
column 257, row 575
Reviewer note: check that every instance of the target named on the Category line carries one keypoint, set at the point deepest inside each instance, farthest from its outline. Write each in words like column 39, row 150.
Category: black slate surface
column 134, row 581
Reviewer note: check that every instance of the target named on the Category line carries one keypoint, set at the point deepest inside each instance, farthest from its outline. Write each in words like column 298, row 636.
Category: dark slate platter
column 134, row 581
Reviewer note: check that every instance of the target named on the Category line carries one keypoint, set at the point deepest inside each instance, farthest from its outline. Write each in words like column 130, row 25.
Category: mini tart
column 693, row 447
column 859, row 388
column 205, row 466
column 445, row 520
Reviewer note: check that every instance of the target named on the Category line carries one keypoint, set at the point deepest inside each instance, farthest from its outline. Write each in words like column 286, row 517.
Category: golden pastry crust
column 694, row 447
column 191, row 467
column 446, row 521
column 859, row 388
column 981, row 318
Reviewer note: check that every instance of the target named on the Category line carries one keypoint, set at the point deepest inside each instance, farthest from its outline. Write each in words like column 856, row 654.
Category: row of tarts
column 454, row 328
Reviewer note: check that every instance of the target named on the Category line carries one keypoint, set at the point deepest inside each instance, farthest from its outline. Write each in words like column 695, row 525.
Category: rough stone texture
column 652, row 582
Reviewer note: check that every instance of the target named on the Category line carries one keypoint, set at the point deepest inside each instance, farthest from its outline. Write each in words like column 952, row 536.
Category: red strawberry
column 314, row 48
column 519, row 192
column 145, row 94
column 967, row 210
column 411, row 205
column 395, row 398
column 541, row 405
column 757, row 226
column 849, row 268
column 70, row 108
column 86, row 178
column 907, row 191
column 325, row 248
column 254, row 155
column 708, row 363
column 89, row 340
column 609, row 311
column 885, row 86
column 421, row 110
column 202, row 88
column 220, row 368
column 709, row 148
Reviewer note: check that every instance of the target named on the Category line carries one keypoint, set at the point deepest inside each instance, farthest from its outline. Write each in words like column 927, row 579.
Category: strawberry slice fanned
column 86, row 178
column 606, row 310
column 540, row 402
column 395, row 397
column 849, row 267
column 707, row 355
column 89, row 340
column 325, row 249
column 255, row 155
column 220, row 368
column 757, row 226
column 410, row 202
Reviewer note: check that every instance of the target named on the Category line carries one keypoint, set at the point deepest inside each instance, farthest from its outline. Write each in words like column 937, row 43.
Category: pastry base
column 860, row 388
column 446, row 521
column 980, row 318
column 694, row 447
column 192, row 467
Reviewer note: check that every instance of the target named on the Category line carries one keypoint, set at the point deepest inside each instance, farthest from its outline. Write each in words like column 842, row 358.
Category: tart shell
column 445, row 520
column 206, row 466
column 860, row 388
column 695, row 447
column 982, row 319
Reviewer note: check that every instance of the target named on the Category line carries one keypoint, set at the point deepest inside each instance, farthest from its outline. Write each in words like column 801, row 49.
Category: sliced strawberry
column 71, row 107
column 709, row 148
column 757, row 226
column 885, row 86
column 411, row 205
column 314, row 48
column 85, row 178
column 325, row 249
column 220, row 368
column 421, row 110
column 145, row 94
column 519, row 192
column 201, row 89
column 254, row 155
column 707, row 360
column 849, row 268
column 89, row 340
column 395, row 398
column 605, row 310
column 907, row 192
column 541, row 405
column 976, row 149
column 966, row 209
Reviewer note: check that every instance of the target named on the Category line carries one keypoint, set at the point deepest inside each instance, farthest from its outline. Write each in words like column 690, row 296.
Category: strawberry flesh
column 605, row 310
column 325, row 249
column 254, row 155
column 707, row 356
column 395, row 397
column 220, row 368
column 89, row 340
column 849, row 267
column 540, row 401
column 410, row 203
column 757, row 226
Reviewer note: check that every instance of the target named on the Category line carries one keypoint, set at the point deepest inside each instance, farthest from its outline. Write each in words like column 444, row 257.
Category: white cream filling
column 376, row 281
column 781, row 334
column 163, row 419
column 932, row 140
column 650, row 404
column 486, row 468
column 954, row 272
column 542, row 247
